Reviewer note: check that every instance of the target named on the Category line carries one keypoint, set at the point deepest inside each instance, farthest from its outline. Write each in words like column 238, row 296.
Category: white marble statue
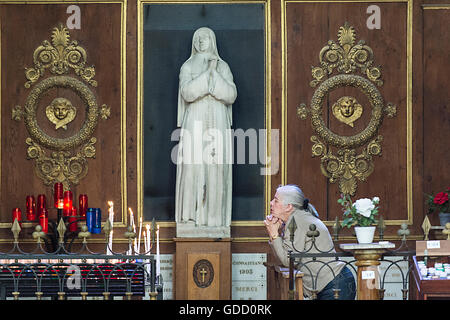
column 204, row 163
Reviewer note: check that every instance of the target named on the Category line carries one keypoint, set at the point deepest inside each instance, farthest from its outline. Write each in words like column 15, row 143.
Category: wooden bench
column 283, row 279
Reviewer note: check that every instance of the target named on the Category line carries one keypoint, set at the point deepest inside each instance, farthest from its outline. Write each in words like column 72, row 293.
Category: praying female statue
column 204, row 163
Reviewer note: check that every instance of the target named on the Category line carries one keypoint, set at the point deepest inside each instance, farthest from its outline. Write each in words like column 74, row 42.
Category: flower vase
column 365, row 234
column 444, row 217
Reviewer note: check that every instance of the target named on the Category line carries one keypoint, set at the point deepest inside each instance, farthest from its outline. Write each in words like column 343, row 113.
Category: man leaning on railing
column 288, row 227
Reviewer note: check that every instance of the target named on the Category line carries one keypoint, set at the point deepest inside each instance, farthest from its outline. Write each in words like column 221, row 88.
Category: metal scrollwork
column 346, row 166
column 60, row 166
column 32, row 104
column 59, row 55
column 63, row 163
column 347, row 57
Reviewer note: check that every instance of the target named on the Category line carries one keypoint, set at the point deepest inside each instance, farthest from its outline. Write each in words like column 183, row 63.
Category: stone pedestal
column 202, row 269
column 367, row 260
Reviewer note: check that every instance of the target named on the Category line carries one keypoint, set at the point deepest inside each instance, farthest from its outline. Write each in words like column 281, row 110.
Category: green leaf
column 348, row 222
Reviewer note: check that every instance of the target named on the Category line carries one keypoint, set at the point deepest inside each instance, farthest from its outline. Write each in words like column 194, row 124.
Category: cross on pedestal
column 203, row 272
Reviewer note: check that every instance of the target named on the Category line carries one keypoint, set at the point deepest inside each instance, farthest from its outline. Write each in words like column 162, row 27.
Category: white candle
column 131, row 223
column 134, row 230
column 111, row 220
column 131, row 217
column 145, row 241
column 147, row 250
column 158, row 262
column 110, row 243
column 139, row 239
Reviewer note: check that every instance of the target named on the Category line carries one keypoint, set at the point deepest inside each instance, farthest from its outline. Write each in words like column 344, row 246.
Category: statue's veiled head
column 204, row 41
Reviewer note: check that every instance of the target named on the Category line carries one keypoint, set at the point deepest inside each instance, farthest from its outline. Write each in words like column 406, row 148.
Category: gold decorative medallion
column 60, row 112
column 347, row 110
column 346, row 167
column 63, row 164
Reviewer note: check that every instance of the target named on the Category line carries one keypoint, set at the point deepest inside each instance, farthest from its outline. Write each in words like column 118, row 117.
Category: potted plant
column 360, row 214
column 439, row 203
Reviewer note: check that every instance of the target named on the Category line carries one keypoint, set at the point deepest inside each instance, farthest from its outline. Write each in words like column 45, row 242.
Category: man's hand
column 272, row 225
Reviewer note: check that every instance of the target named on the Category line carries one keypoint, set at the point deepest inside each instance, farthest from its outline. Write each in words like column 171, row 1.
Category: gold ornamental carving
column 346, row 166
column 59, row 55
column 62, row 163
column 60, row 112
column 347, row 110
column 346, row 57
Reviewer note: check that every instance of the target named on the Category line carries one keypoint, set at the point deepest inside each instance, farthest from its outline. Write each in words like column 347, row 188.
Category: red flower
column 440, row 198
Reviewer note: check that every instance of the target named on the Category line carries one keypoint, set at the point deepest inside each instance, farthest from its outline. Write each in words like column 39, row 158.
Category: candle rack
column 58, row 232
column 123, row 273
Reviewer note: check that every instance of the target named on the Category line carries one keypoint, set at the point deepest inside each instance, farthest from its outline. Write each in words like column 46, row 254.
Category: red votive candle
column 31, row 208
column 68, row 200
column 58, row 195
column 83, row 205
column 43, row 220
column 41, row 203
column 72, row 220
column 17, row 214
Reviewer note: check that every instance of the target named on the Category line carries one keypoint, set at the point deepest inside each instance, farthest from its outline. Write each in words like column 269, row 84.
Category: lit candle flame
column 131, row 217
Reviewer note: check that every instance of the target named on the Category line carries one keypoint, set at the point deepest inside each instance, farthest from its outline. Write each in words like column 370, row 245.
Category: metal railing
column 300, row 261
column 56, row 271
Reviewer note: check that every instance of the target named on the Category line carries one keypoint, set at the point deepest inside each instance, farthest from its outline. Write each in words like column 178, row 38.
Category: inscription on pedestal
column 249, row 276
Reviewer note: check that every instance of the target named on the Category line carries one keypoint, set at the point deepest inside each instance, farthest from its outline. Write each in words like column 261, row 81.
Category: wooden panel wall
column 436, row 101
column 298, row 30
column 22, row 33
column 311, row 26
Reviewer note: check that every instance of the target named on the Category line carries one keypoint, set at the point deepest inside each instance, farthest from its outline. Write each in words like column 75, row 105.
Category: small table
column 368, row 257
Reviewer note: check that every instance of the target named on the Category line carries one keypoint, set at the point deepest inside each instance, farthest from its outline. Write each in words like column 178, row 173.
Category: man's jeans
column 344, row 281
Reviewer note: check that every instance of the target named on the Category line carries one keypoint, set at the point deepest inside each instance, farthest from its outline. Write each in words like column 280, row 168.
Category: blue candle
column 90, row 213
column 97, row 223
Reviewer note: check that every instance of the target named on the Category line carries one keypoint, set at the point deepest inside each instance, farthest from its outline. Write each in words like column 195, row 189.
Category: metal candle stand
column 16, row 272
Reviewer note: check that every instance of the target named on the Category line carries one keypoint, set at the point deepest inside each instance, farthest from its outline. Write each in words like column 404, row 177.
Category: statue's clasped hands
column 212, row 62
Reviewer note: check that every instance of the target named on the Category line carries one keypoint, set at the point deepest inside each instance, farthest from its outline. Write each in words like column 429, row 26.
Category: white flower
column 364, row 207
column 375, row 200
